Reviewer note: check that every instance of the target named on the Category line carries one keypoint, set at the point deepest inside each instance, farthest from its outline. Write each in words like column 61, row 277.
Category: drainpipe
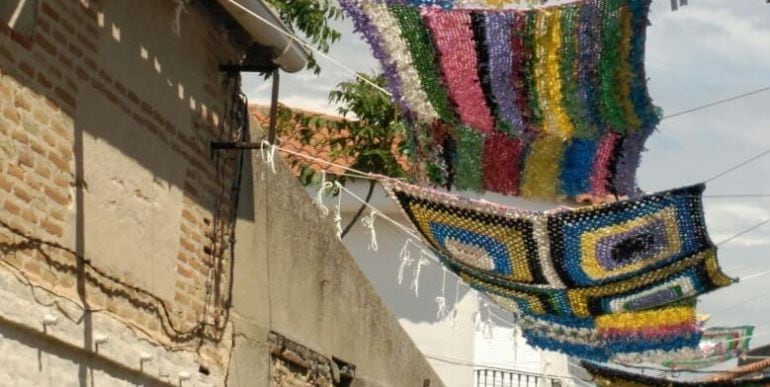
column 290, row 56
column 274, row 106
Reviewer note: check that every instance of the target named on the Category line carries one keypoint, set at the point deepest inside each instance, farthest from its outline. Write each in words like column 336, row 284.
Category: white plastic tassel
column 483, row 320
column 268, row 156
column 488, row 330
column 368, row 222
column 338, row 211
column 442, row 311
column 406, row 260
column 319, row 197
column 181, row 7
column 423, row 261
column 451, row 319
column 515, row 344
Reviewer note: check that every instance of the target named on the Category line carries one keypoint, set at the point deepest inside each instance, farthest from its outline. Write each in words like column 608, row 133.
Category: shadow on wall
column 19, row 339
column 141, row 98
column 156, row 97
column 382, row 268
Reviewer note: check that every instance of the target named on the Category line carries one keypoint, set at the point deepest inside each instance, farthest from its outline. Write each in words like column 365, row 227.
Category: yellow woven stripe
column 508, row 237
column 542, row 168
column 588, row 241
column 647, row 318
column 548, row 74
column 625, row 70
column 579, row 297
column 535, row 306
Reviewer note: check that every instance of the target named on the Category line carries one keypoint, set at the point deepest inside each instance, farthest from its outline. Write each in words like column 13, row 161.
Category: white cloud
column 726, row 220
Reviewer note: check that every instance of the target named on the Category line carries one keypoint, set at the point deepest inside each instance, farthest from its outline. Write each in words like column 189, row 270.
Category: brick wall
column 115, row 220
column 81, row 100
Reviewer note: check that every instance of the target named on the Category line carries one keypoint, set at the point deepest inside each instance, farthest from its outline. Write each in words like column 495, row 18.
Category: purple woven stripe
column 605, row 245
column 588, row 67
column 498, row 36
column 363, row 25
column 445, row 4
column 662, row 296
column 625, row 170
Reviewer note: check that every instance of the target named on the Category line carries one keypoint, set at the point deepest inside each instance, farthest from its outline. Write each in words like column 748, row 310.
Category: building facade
column 133, row 254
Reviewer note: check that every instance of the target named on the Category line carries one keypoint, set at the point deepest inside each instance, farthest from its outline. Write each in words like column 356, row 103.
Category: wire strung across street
column 717, row 103
column 413, row 233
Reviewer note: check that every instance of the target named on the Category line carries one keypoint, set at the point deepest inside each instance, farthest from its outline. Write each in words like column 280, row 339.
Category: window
column 294, row 364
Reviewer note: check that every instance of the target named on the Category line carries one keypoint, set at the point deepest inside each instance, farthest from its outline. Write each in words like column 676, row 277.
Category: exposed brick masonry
column 41, row 78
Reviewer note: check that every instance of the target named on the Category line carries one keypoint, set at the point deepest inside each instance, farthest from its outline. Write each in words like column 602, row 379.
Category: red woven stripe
column 502, row 155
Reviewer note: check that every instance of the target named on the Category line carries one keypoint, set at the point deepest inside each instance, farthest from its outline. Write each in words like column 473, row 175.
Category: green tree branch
column 313, row 19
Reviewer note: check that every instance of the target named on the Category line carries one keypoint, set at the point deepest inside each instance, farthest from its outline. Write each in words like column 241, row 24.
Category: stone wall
column 109, row 196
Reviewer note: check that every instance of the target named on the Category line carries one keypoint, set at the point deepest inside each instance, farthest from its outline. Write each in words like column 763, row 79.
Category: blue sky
column 707, row 51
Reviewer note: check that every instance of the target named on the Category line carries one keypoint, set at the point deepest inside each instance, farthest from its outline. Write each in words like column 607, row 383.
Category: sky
column 704, row 52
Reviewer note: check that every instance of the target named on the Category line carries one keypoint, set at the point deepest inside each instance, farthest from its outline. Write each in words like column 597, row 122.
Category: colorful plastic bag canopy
column 549, row 102
column 621, row 272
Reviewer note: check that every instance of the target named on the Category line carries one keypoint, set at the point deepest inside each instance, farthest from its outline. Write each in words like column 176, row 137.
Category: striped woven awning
column 593, row 282
column 548, row 102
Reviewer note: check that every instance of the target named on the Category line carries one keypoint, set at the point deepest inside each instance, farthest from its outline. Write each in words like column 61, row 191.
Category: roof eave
column 269, row 31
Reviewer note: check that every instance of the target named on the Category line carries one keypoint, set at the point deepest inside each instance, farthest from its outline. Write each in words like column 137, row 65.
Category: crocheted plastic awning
column 617, row 271
column 548, row 102
column 717, row 345
column 660, row 329
column 606, row 376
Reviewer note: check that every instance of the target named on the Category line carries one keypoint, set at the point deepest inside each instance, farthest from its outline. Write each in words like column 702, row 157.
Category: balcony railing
column 500, row 378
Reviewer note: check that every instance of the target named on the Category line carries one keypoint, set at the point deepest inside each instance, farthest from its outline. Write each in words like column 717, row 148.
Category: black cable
column 739, row 165
column 735, row 196
column 752, row 228
column 715, row 103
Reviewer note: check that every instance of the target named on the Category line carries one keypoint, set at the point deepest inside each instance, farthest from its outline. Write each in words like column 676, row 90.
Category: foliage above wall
column 313, row 19
column 368, row 136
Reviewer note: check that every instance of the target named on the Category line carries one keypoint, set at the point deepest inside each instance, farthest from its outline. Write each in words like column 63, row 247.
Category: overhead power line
column 716, row 103
column 739, row 165
column 746, row 231
column 736, row 196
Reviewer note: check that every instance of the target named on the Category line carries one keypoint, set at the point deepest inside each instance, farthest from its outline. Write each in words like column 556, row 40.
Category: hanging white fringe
column 268, row 156
column 338, row 211
column 442, row 311
column 406, row 260
column 319, row 197
column 181, row 7
column 482, row 320
column 515, row 343
column 368, row 222
column 451, row 319
column 423, row 261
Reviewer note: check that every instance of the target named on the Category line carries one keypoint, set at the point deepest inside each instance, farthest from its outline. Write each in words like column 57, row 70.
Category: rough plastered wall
column 294, row 278
column 113, row 215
